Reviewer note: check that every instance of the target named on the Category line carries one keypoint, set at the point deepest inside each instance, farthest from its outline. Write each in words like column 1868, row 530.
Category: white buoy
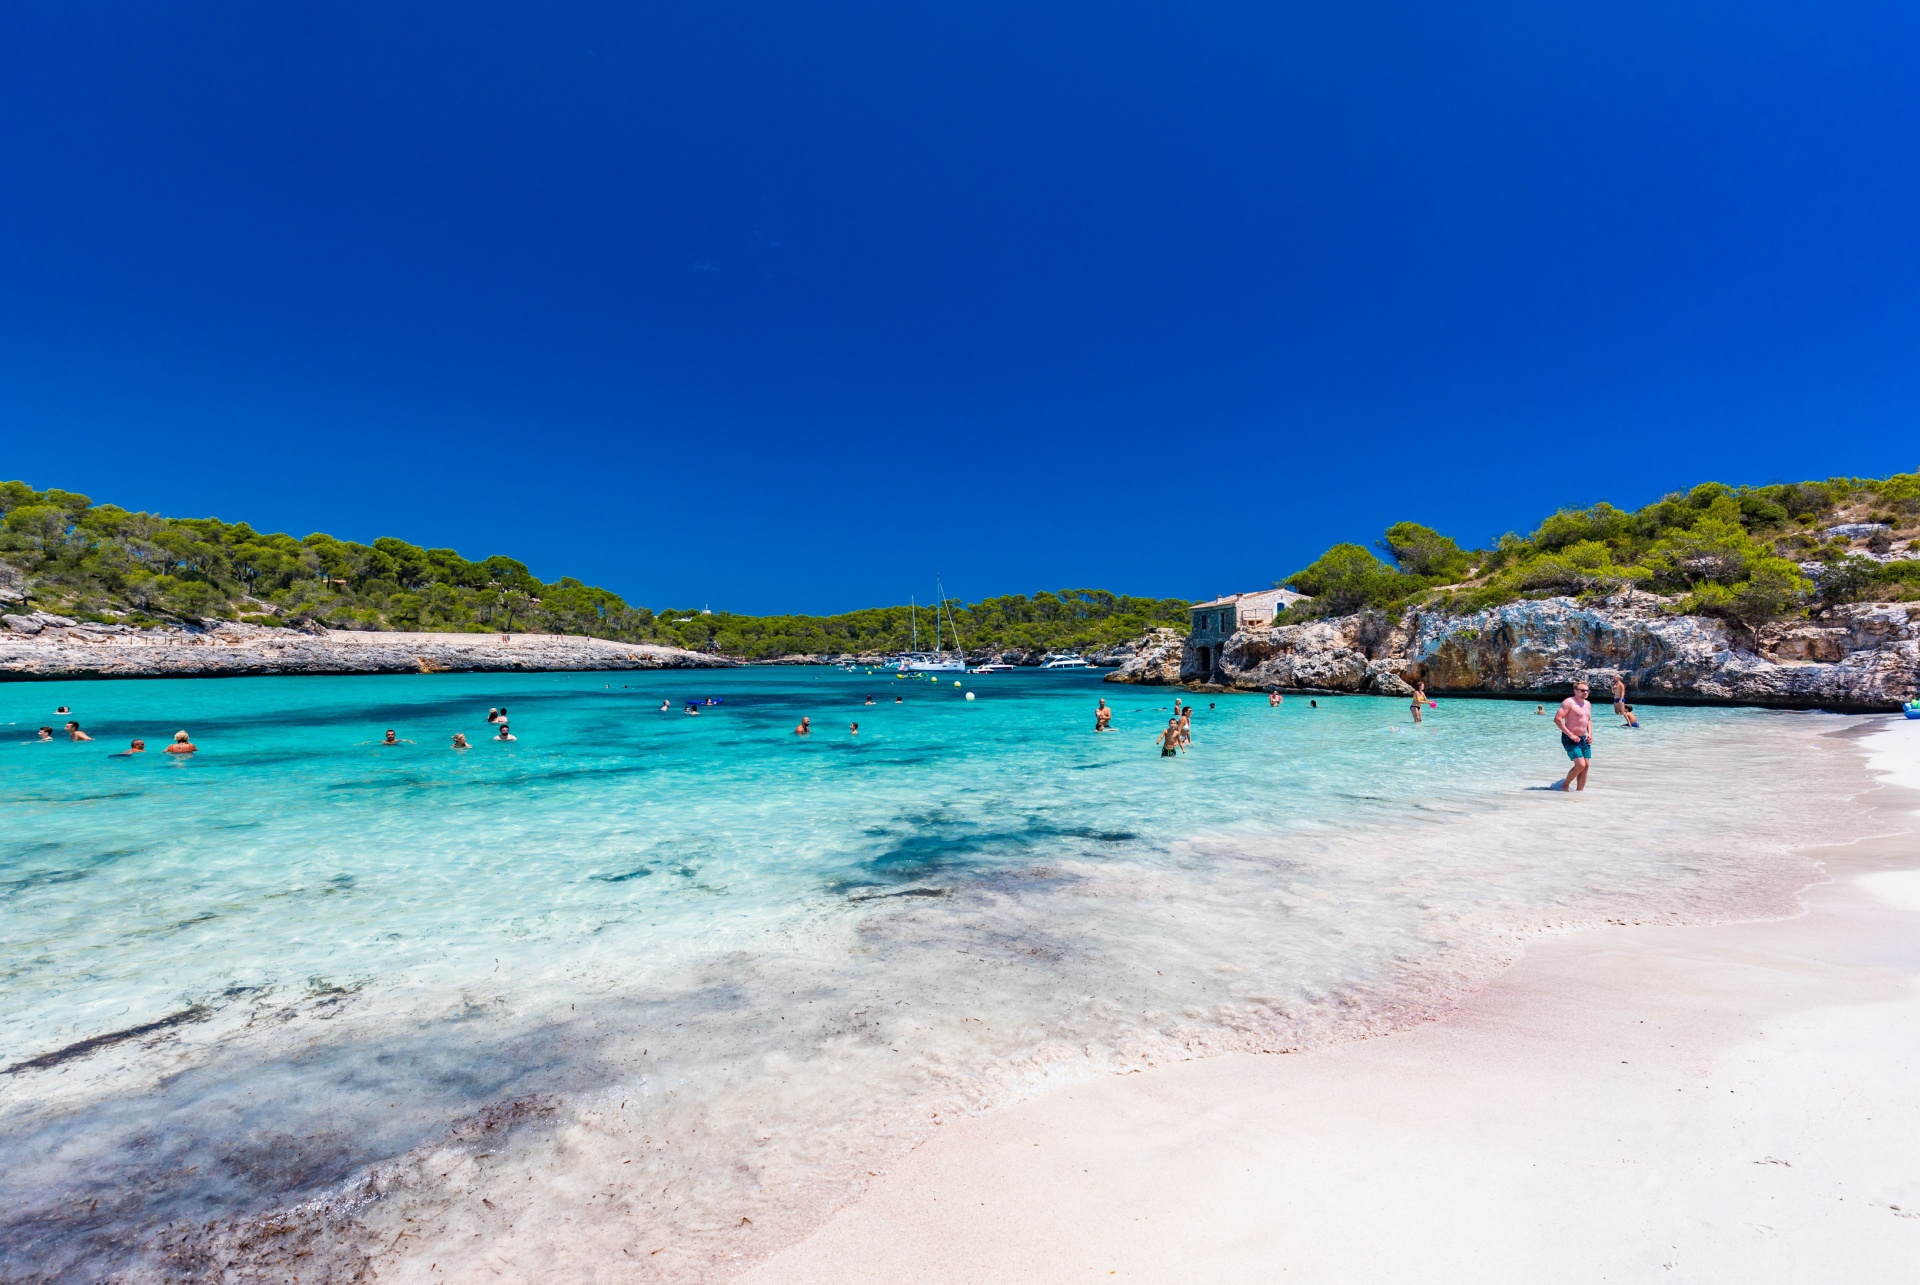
column 969, row 695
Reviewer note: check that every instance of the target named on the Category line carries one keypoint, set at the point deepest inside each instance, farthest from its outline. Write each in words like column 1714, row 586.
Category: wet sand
column 1730, row 1102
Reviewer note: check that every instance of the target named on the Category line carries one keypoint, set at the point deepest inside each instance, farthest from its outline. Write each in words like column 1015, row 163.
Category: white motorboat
column 1065, row 660
column 994, row 667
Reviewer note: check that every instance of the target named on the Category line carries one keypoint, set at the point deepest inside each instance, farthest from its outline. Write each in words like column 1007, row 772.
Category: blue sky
column 788, row 307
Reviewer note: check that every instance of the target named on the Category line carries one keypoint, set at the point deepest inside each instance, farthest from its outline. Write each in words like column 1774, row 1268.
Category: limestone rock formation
column 1153, row 658
column 1864, row 656
column 46, row 646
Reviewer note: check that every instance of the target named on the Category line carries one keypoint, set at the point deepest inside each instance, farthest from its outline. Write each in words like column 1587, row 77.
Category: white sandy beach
column 1727, row 1103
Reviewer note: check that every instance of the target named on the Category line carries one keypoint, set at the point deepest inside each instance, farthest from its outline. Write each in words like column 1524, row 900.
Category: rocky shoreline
column 1863, row 657
column 43, row 646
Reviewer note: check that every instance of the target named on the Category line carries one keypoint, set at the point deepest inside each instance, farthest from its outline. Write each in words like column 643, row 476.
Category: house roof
column 1258, row 598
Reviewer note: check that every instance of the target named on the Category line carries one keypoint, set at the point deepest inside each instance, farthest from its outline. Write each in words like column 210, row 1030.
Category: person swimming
column 1313, row 704
column 138, row 747
column 1273, row 700
column 805, row 728
column 44, row 734
column 460, row 741
column 391, row 739
column 869, row 700
column 182, row 744
column 74, row 733
column 693, row 707
column 898, row 699
column 665, row 705
column 493, row 716
column 505, row 735
column 853, row 729
column 63, row 710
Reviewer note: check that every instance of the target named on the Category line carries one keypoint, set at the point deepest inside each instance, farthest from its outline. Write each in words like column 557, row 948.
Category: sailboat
column 937, row 661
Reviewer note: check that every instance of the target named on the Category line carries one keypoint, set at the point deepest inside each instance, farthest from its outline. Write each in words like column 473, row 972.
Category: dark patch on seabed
column 93, row 1044
column 197, row 1178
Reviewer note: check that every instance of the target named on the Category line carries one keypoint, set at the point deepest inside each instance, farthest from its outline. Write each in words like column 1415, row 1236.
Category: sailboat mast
column 915, row 610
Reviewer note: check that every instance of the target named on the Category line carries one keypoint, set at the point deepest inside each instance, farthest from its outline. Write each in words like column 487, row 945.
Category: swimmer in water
column 1102, row 717
column 44, row 734
column 63, row 710
column 869, row 700
column 853, row 729
column 391, row 739
column 1626, row 712
column 1419, row 699
column 74, row 733
column 1169, row 740
column 898, row 699
column 1313, row 704
column 493, row 716
column 665, row 705
column 805, row 728
column 1539, row 709
column 460, row 741
column 693, row 707
column 138, row 747
column 505, row 735
column 1273, row 700
column 182, row 744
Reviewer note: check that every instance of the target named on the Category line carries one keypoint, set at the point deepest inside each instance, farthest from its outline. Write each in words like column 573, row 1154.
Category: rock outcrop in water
column 41, row 645
column 1864, row 656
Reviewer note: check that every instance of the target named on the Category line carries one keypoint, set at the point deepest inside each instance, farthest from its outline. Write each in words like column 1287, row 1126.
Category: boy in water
column 1169, row 740
column 1575, row 721
column 1626, row 712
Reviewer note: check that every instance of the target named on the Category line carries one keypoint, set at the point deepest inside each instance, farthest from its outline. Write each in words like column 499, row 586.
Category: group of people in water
column 1573, row 718
column 181, row 745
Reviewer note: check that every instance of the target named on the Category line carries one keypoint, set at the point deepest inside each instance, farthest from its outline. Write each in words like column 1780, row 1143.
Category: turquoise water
column 653, row 974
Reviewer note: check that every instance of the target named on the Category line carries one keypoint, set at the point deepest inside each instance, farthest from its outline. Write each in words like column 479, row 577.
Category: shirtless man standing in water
column 1575, row 721
column 1102, row 717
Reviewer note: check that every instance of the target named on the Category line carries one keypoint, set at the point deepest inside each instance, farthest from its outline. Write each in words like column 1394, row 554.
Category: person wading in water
column 1574, row 718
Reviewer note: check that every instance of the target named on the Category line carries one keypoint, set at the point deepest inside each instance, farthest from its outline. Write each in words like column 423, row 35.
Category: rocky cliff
column 47, row 646
column 1864, row 656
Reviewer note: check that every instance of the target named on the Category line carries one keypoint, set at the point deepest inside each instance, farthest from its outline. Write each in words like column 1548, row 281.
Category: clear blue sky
column 786, row 307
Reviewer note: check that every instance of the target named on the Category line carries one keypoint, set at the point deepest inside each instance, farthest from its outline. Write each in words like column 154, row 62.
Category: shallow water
column 642, row 995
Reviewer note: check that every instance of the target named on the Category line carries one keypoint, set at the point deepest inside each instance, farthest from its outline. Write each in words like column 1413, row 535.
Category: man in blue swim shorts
column 1575, row 721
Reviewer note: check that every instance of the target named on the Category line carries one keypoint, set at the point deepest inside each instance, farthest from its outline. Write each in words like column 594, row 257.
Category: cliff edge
column 1859, row 657
column 41, row 645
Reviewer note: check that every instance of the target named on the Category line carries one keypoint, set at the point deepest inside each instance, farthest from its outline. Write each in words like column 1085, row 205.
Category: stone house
column 1212, row 623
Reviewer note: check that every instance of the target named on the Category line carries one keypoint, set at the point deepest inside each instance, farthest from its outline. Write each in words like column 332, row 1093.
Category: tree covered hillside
column 61, row 553
column 1749, row 554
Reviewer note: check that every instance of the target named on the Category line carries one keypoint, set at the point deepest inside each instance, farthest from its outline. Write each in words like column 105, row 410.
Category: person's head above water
column 63, row 710
column 46, row 733
column 460, row 741
column 138, row 747
column 390, row 738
